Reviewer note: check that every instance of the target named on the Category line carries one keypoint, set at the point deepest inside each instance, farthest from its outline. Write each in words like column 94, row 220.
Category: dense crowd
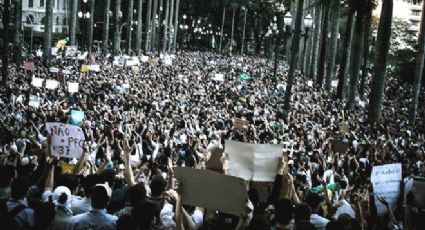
column 140, row 123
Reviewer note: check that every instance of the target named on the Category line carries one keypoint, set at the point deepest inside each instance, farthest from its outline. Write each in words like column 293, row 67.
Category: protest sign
column 418, row 189
column 54, row 51
column 255, row 162
column 67, row 140
column 334, row 83
column 29, row 65
column 240, row 124
column 144, row 58
column 386, row 183
column 34, row 101
column 37, row 82
column 72, row 87
column 83, row 56
column 54, row 70
column 310, row 83
column 66, row 168
column 126, row 85
column 218, row 77
column 85, row 68
column 95, row 68
column 76, row 117
column 211, row 190
column 71, row 51
column 119, row 61
column 39, row 53
column 135, row 69
column 153, row 61
column 339, row 146
column 52, row 84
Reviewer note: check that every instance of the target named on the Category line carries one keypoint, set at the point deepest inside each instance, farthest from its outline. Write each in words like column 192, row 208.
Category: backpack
column 7, row 219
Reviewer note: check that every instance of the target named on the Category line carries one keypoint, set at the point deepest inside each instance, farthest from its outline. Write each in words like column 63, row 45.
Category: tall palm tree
column 148, row 26
column 294, row 52
column 316, row 40
column 368, row 25
column 105, row 34
column 176, row 21
column 419, row 70
column 170, row 26
column 5, row 45
column 154, row 20
column 73, row 22
column 221, row 30
column 138, row 42
column 91, row 25
column 380, row 65
column 333, row 44
column 323, row 43
column 345, row 54
column 18, row 34
column 129, row 25
column 165, row 30
column 117, row 32
column 48, row 27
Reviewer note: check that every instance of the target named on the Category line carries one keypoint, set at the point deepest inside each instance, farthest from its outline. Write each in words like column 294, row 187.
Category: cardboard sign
column 310, row 83
column 29, row 65
column 153, row 61
column 95, row 68
column 67, row 140
column 37, row 82
column 240, row 124
column 418, row 190
column 218, row 77
column 72, row 87
column 144, row 58
column 211, row 190
column 386, row 183
column 254, row 162
column 76, row 117
column 54, row 70
column 34, row 101
column 52, row 84
column 71, row 51
column 66, row 168
column 85, row 68
column 339, row 146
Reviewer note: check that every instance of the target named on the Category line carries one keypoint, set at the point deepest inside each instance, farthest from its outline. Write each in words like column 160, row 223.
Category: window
column 41, row 3
column 57, row 20
column 30, row 3
column 29, row 19
column 415, row 23
column 58, row 4
column 416, row 12
column 64, row 21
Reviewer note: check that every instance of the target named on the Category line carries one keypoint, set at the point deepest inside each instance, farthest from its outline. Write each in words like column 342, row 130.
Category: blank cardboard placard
column 37, row 82
column 52, row 84
column 253, row 162
column 34, row 101
column 211, row 190
column 386, row 183
column 72, row 87
column 240, row 124
column 67, row 140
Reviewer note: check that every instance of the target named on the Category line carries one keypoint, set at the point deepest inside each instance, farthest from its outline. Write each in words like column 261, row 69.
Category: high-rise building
column 33, row 15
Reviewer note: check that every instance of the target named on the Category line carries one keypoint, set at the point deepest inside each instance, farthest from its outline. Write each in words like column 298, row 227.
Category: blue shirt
column 95, row 219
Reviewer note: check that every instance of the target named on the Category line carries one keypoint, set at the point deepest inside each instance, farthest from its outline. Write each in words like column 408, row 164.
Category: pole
column 176, row 21
column 48, row 26
column 139, row 26
column 18, row 29
column 243, row 31
column 170, row 26
column 148, row 26
column 233, row 28
column 129, row 25
column 221, row 31
column 105, row 35
column 117, row 34
column 73, row 23
column 91, row 22
column 5, row 46
column 165, row 30
column 276, row 57
column 159, row 27
column 305, row 49
column 153, row 30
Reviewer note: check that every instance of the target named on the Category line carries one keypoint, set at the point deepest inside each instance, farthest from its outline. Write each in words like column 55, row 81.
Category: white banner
column 386, row 183
column 67, row 140
column 253, row 162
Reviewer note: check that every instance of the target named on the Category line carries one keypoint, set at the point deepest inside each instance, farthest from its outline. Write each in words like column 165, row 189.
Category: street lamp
column 308, row 23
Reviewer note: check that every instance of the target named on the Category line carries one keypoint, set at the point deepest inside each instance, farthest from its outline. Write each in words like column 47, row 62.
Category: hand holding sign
column 66, row 140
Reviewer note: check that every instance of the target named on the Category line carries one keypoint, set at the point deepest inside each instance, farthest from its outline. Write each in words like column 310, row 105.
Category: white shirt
column 80, row 205
column 94, row 219
column 318, row 221
column 24, row 217
column 167, row 215
column 345, row 208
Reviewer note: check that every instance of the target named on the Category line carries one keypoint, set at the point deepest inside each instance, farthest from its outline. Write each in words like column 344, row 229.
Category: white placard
column 67, row 140
column 334, row 83
column 386, row 183
column 52, row 84
column 310, row 83
column 168, row 61
column 37, row 82
column 144, row 58
column 54, row 70
column 126, row 85
column 218, row 77
column 34, row 101
column 72, row 87
column 95, row 68
column 83, row 56
column 39, row 53
column 211, row 190
column 253, row 162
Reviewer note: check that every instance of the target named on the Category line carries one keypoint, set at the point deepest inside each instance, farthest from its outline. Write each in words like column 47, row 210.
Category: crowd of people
column 140, row 123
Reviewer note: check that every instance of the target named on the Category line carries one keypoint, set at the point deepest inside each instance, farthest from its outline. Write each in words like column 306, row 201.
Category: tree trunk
column 138, row 42
column 221, row 30
column 91, row 21
column 73, row 23
column 129, row 25
column 48, row 27
column 381, row 56
column 419, row 70
column 158, row 39
column 148, row 26
column 368, row 24
column 117, row 24
column 345, row 55
column 243, row 30
column 18, row 35
column 170, row 26
column 294, row 52
column 105, row 35
column 176, row 22
column 307, row 58
column 323, row 46
column 153, row 20
column 333, row 45
column 316, row 40
column 5, row 45
column 356, row 59
column 233, row 29
column 165, row 30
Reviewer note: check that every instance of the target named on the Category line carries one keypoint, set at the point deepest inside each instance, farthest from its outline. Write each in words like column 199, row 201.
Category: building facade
column 33, row 15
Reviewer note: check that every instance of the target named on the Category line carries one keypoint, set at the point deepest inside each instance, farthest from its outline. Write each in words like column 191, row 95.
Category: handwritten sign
column 37, row 82
column 67, row 140
column 211, row 190
column 240, row 124
column 254, row 162
column 386, row 183
column 34, row 101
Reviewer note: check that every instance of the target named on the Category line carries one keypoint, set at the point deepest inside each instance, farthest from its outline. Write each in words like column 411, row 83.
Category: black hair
column 158, row 185
column 284, row 210
column 313, row 200
column 302, row 212
column 19, row 188
column 136, row 194
column 7, row 173
column 99, row 198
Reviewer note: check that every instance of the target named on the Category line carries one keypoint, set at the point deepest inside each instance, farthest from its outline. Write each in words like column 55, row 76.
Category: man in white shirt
column 96, row 218
column 314, row 200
